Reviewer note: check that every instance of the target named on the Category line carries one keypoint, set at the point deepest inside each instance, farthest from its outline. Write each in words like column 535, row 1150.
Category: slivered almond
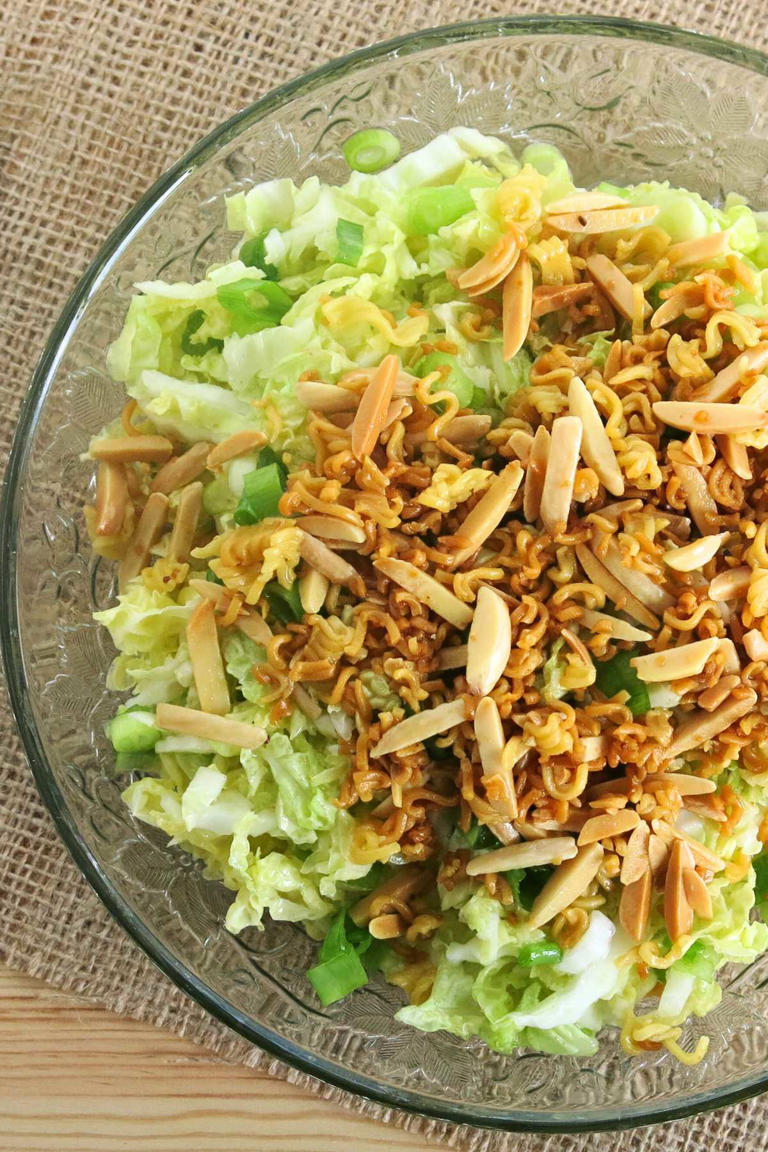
column 416, row 729
column 697, row 894
column 589, row 748
column 552, row 297
column 635, row 905
column 205, row 657
column 460, row 430
column 388, row 926
column 534, row 474
column 641, row 586
column 585, row 202
column 612, row 626
column 755, row 644
column 685, row 784
column 613, row 282
column 714, row 696
column 730, row 585
column 306, row 703
column 635, row 863
column 487, row 514
column 399, row 409
column 675, row 663
column 676, row 306
column 489, row 643
column 678, row 914
column 693, row 556
column 704, row 808
column 255, row 627
column 658, row 856
column 596, row 447
column 372, row 409
column 698, row 498
column 698, row 251
column 521, row 443
column 132, row 449
column 489, row 735
column 236, row 445
column 599, row 220
column 735, row 456
column 598, row 574
column 313, row 587
column 454, row 657
column 506, row 833
column 569, row 881
column 112, row 499
column 320, row 397
column 731, row 662
column 696, row 416
column 185, row 524
column 702, row 726
column 148, row 530
column 607, row 826
column 332, row 528
column 620, row 508
column 621, row 786
column 182, row 469
column 191, row 722
column 527, row 854
column 491, row 268
column 725, row 384
column 562, row 463
column 338, row 571
column 517, row 307
column 426, row 589
column 701, row 854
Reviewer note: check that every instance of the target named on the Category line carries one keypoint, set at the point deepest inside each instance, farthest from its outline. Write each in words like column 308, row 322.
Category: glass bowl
column 623, row 101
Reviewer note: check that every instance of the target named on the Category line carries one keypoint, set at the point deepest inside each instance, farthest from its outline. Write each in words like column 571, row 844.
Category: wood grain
column 75, row 1078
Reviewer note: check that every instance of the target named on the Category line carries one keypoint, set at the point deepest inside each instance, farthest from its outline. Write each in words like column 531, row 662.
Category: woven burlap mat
column 97, row 97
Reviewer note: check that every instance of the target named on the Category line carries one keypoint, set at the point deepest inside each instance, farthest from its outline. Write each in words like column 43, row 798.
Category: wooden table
column 75, row 1078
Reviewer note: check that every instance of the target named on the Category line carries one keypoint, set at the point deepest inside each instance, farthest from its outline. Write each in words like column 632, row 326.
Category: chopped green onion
column 269, row 456
column 189, row 347
column 542, row 952
column 284, row 603
column 334, row 979
column 455, row 378
column 132, row 762
column 429, row 209
column 253, row 255
column 253, row 304
column 262, row 490
column 477, row 836
column 618, row 675
column 700, row 960
column 760, row 865
column 350, row 238
column 212, row 578
column 134, row 731
column 371, row 149
column 526, row 883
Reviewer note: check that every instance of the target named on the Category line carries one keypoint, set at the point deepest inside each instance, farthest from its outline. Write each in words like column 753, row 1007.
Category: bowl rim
column 483, row 1116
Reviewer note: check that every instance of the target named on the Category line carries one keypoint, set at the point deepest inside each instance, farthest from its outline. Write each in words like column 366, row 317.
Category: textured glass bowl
column 623, row 102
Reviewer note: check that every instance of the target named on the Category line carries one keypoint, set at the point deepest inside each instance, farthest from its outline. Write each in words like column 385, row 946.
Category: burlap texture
column 97, row 97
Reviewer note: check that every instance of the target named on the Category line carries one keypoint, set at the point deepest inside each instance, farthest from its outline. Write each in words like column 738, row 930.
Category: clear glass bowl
column 623, row 101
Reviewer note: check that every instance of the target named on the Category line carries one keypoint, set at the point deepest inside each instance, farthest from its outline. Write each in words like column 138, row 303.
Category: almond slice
column 491, row 268
column 506, row 833
column 454, row 657
column 599, row 220
column 185, row 524
column 191, row 722
column 598, row 574
column 489, row 643
column 641, row 586
column 549, row 298
column 517, row 307
column 730, row 585
column 621, row 786
column 678, row 914
column 148, row 530
column 306, row 703
column 416, row 729
column 726, row 383
column 658, row 856
column 132, row 449
column 338, row 571
column 589, row 748
column 596, row 447
column 489, row 735
column 372, row 409
column 755, row 644
column 703, row 808
column 685, row 784
column 635, row 863
column 697, row 894
column 735, row 455
column 612, row 626
column 332, row 528
column 702, row 726
column 569, row 881
column 461, row 430
column 692, row 557
column 238, row 444
column 320, row 397
column 313, row 588
column 184, row 469
column 112, row 499
column 488, row 513
column 534, row 474
column 698, row 251
column 399, row 409
column 585, row 202
column 614, row 284
column 255, row 627
column 698, row 498
column 562, row 462
column 521, row 444
column 205, row 657
column 527, row 854
column 676, row 306
column 675, row 663
column 635, row 905
column 696, row 416
column 701, row 855
column 427, row 590
column 607, row 826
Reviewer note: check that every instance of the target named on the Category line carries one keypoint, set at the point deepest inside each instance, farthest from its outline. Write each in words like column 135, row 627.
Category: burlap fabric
column 97, row 97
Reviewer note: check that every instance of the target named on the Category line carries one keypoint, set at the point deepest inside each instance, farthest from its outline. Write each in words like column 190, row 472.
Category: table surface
column 76, row 1078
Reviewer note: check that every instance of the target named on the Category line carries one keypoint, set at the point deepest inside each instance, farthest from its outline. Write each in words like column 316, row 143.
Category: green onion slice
column 253, row 304
column 542, row 952
column 192, row 347
column 371, row 149
column 262, row 490
column 284, row 603
column 430, row 209
column 618, row 675
column 455, row 378
column 350, row 238
column 253, row 255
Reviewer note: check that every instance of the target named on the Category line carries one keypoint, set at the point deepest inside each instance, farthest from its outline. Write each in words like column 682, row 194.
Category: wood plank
column 75, row 1078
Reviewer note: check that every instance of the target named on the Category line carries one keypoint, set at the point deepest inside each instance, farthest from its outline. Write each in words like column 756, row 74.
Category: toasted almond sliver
column 698, row 251
column 521, row 444
column 585, row 202
column 696, row 416
column 320, row 397
column 613, row 282
column 621, row 786
column 562, row 462
column 182, row 469
column 148, row 530
column 111, row 498
column 697, row 894
column 702, row 726
column 453, row 657
column 426, row 589
column 675, row 663
column 635, row 905
column 612, row 626
column 704, row 808
column 255, row 627
column 731, row 663
column 730, row 585
column 676, row 306
column 489, row 643
column 399, row 409
column 698, row 498
column 338, row 571
column 191, row 722
column 372, row 409
column 726, row 383
column 641, row 586
column 305, row 702
column 488, row 513
column 596, row 447
column 527, row 854
column 635, row 861
column 416, row 729
column 693, row 556
column 678, row 914
column 205, row 657
column 506, row 833
column 569, row 881
column 735, row 456
column 185, row 524
column 534, row 474
column 517, row 307
column 461, row 430
column 658, row 856
column 702, row 856
column 489, row 735
column 685, row 784
column 236, row 445
column 596, row 221
column 551, row 298
column 598, row 574
column 332, row 528
column 755, row 644
column 608, row 825
column 589, row 748
column 491, row 268
column 313, row 587
column 132, row 449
